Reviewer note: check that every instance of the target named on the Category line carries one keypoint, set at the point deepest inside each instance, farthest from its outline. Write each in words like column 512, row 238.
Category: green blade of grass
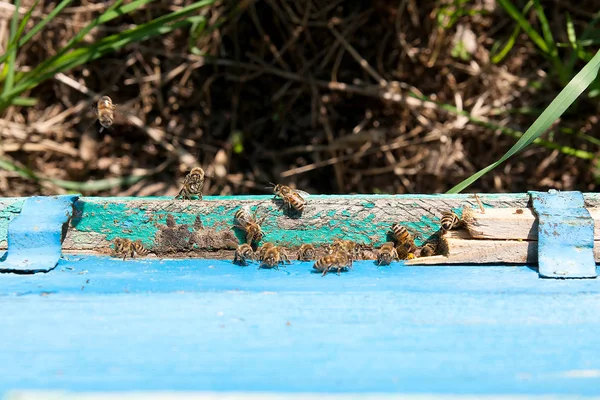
column 25, row 101
column 158, row 26
column 557, row 107
column 74, row 40
column 546, row 30
column 12, row 55
column 105, row 17
column 97, row 185
column 522, row 21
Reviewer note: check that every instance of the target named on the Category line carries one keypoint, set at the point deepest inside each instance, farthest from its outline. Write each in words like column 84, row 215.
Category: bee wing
column 302, row 193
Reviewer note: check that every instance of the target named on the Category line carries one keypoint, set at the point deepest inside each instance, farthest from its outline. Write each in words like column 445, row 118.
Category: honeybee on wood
column 400, row 234
column 449, row 221
column 242, row 254
column 427, row 250
column 248, row 223
column 349, row 246
column 339, row 261
column 192, row 184
column 273, row 257
column 292, row 198
column 263, row 249
column 306, row 252
column 387, row 253
column 105, row 111
column 125, row 247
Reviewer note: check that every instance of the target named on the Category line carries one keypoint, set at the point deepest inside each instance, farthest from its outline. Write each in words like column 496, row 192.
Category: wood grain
column 508, row 223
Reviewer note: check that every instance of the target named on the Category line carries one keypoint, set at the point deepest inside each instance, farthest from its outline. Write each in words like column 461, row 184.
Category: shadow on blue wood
column 35, row 235
column 565, row 235
column 100, row 324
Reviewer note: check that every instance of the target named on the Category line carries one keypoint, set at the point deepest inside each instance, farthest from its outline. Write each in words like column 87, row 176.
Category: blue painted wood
column 100, row 324
column 565, row 235
column 35, row 235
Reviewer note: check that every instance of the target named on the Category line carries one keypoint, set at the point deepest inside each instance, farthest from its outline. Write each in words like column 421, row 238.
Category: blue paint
column 34, row 236
column 565, row 235
column 210, row 325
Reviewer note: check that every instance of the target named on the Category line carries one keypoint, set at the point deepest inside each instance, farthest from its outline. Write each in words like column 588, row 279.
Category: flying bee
column 292, row 198
column 427, row 250
column 449, row 221
column 337, row 261
column 263, row 249
column 242, row 254
column 249, row 224
column 306, row 252
column 105, row 112
column 387, row 253
column 273, row 257
column 192, row 184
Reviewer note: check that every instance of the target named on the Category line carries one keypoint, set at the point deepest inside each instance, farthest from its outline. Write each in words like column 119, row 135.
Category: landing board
column 99, row 324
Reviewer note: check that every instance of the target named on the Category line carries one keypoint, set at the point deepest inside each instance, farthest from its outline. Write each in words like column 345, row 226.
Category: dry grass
column 308, row 93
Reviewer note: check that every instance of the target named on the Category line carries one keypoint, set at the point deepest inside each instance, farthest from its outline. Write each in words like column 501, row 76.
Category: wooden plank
column 464, row 250
column 9, row 209
column 206, row 325
column 510, row 223
column 363, row 218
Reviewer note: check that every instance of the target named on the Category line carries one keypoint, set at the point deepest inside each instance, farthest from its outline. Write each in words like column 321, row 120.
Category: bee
column 192, row 184
column 263, row 249
column 306, row 252
column 139, row 248
column 292, row 198
column 387, row 253
column 125, row 247
column 449, row 220
column 400, row 234
column 428, row 250
column 338, row 261
column 249, row 225
column 273, row 257
column 242, row 253
column 105, row 111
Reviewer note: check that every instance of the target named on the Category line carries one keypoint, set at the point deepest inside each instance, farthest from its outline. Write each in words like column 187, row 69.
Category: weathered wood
column 510, row 223
column 362, row 218
column 9, row 209
column 97, row 324
column 465, row 250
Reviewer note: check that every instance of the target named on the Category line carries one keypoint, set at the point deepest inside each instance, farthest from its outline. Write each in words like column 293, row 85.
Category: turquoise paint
column 123, row 221
column 368, row 204
column 9, row 209
column 114, row 217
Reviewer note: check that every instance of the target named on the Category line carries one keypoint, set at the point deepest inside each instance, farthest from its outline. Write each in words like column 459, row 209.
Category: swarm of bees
column 125, row 247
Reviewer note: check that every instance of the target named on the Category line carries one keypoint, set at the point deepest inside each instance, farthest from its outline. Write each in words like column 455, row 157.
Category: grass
column 17, row 85
column 69, row 57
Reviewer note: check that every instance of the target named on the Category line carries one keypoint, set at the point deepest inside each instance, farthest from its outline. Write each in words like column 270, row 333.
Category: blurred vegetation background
column 329, row 96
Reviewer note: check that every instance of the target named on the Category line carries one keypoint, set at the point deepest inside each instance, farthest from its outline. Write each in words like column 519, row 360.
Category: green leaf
column 9, row 68
column 25, row 101
column 522, row 21
column 557, row 107
column 107, row 45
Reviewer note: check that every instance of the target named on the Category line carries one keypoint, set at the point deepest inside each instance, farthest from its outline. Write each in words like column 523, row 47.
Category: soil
column 310, row 94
